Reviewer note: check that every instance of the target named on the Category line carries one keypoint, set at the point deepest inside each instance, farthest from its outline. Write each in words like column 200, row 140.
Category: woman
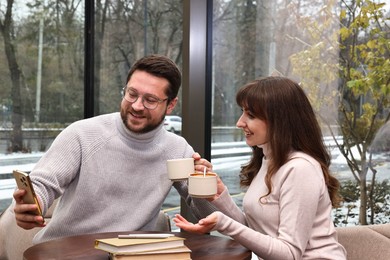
column 290, row 191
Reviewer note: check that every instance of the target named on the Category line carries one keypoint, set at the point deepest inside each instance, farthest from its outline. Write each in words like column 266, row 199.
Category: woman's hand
column 203, row 226
column 220, row 188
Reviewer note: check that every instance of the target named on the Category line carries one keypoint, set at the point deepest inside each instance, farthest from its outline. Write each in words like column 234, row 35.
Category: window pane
column 125, row 32
column 42, row 81
column 342, row 69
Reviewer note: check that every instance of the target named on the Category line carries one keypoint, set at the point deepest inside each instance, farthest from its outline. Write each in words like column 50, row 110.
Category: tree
column 7, row 31
column 361, row 76
column 134, row 29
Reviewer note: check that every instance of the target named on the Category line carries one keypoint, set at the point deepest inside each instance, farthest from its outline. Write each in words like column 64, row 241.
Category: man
column 110, row 170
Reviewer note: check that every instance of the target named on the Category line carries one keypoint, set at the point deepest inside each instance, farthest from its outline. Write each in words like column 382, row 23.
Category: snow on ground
column 228, row 168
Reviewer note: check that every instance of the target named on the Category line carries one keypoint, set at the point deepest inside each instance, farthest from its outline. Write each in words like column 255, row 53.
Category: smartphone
column 24, row 182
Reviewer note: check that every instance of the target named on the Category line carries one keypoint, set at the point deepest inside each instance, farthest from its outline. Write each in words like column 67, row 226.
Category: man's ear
column 172, row 105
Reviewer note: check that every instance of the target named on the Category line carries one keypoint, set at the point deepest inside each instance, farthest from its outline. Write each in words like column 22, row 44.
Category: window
column 307, row 41
column 54, row 85
column 42, row 49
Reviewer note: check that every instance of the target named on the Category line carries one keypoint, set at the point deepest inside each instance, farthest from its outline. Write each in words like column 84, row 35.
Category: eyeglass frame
column 157, row 99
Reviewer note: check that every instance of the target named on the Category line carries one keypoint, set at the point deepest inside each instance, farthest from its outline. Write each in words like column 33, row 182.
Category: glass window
column 338, row 53
column 124, row 32
column 42, row 49
column 43, row 84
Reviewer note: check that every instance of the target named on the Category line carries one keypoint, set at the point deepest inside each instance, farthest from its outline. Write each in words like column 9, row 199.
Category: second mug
column 202, row 185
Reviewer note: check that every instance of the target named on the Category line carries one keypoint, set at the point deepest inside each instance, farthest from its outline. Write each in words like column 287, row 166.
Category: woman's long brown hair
column 291, row 125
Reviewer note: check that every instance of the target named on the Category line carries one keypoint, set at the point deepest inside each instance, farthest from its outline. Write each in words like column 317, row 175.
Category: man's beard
column 145, row 129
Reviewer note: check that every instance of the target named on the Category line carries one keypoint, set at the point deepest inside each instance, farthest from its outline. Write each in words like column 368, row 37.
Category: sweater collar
column 141, row 137
column 266, row 150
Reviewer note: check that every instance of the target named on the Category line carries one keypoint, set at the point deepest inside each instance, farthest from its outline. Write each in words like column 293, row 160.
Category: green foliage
column 349, row 191
column 363, row 66
column 381, row 191
column 356, row 69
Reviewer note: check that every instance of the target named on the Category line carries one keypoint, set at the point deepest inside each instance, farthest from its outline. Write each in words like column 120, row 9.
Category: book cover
column 132, row 245
column 179, row 253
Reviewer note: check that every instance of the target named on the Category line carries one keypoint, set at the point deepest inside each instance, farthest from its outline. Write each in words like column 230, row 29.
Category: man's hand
column 200, row 163
column 23, row 216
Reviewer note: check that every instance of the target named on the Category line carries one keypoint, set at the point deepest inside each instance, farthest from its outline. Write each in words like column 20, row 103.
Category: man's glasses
column 148, row 101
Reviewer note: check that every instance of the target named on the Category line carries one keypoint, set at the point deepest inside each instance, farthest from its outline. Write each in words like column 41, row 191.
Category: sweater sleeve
column 299, row 196
column 57, row 167
column 200, row 208
column 226, row 205
column 262, row 245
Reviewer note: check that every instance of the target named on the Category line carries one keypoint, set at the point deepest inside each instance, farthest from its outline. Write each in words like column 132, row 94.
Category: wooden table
column 82, row 247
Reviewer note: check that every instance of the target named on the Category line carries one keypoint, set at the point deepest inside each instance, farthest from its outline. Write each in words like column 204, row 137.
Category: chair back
column 14, row 240
column 366, row 242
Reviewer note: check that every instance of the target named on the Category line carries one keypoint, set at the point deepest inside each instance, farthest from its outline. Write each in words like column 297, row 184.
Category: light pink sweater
column 293, row 222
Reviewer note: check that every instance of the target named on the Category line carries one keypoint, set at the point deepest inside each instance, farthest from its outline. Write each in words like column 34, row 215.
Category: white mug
column 202, row 185
column 180, row 169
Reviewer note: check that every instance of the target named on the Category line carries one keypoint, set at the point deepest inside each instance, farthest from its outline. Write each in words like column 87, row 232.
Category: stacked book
column 138, row 246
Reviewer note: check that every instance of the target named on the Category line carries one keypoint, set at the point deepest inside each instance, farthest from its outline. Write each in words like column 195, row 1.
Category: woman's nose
column 240, row 123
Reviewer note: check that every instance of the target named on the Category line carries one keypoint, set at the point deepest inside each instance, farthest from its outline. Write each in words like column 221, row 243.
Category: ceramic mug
column 180, row 169
column 202, row 185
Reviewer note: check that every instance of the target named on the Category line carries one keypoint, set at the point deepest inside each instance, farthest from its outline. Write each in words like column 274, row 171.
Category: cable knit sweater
column 109, row 179
column 293, row 222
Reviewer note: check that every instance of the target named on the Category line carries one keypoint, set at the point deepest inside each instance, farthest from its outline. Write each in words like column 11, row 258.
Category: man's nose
column 138, row 104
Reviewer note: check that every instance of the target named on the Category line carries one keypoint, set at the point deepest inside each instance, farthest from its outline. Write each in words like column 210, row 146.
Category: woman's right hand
column 220, row 188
